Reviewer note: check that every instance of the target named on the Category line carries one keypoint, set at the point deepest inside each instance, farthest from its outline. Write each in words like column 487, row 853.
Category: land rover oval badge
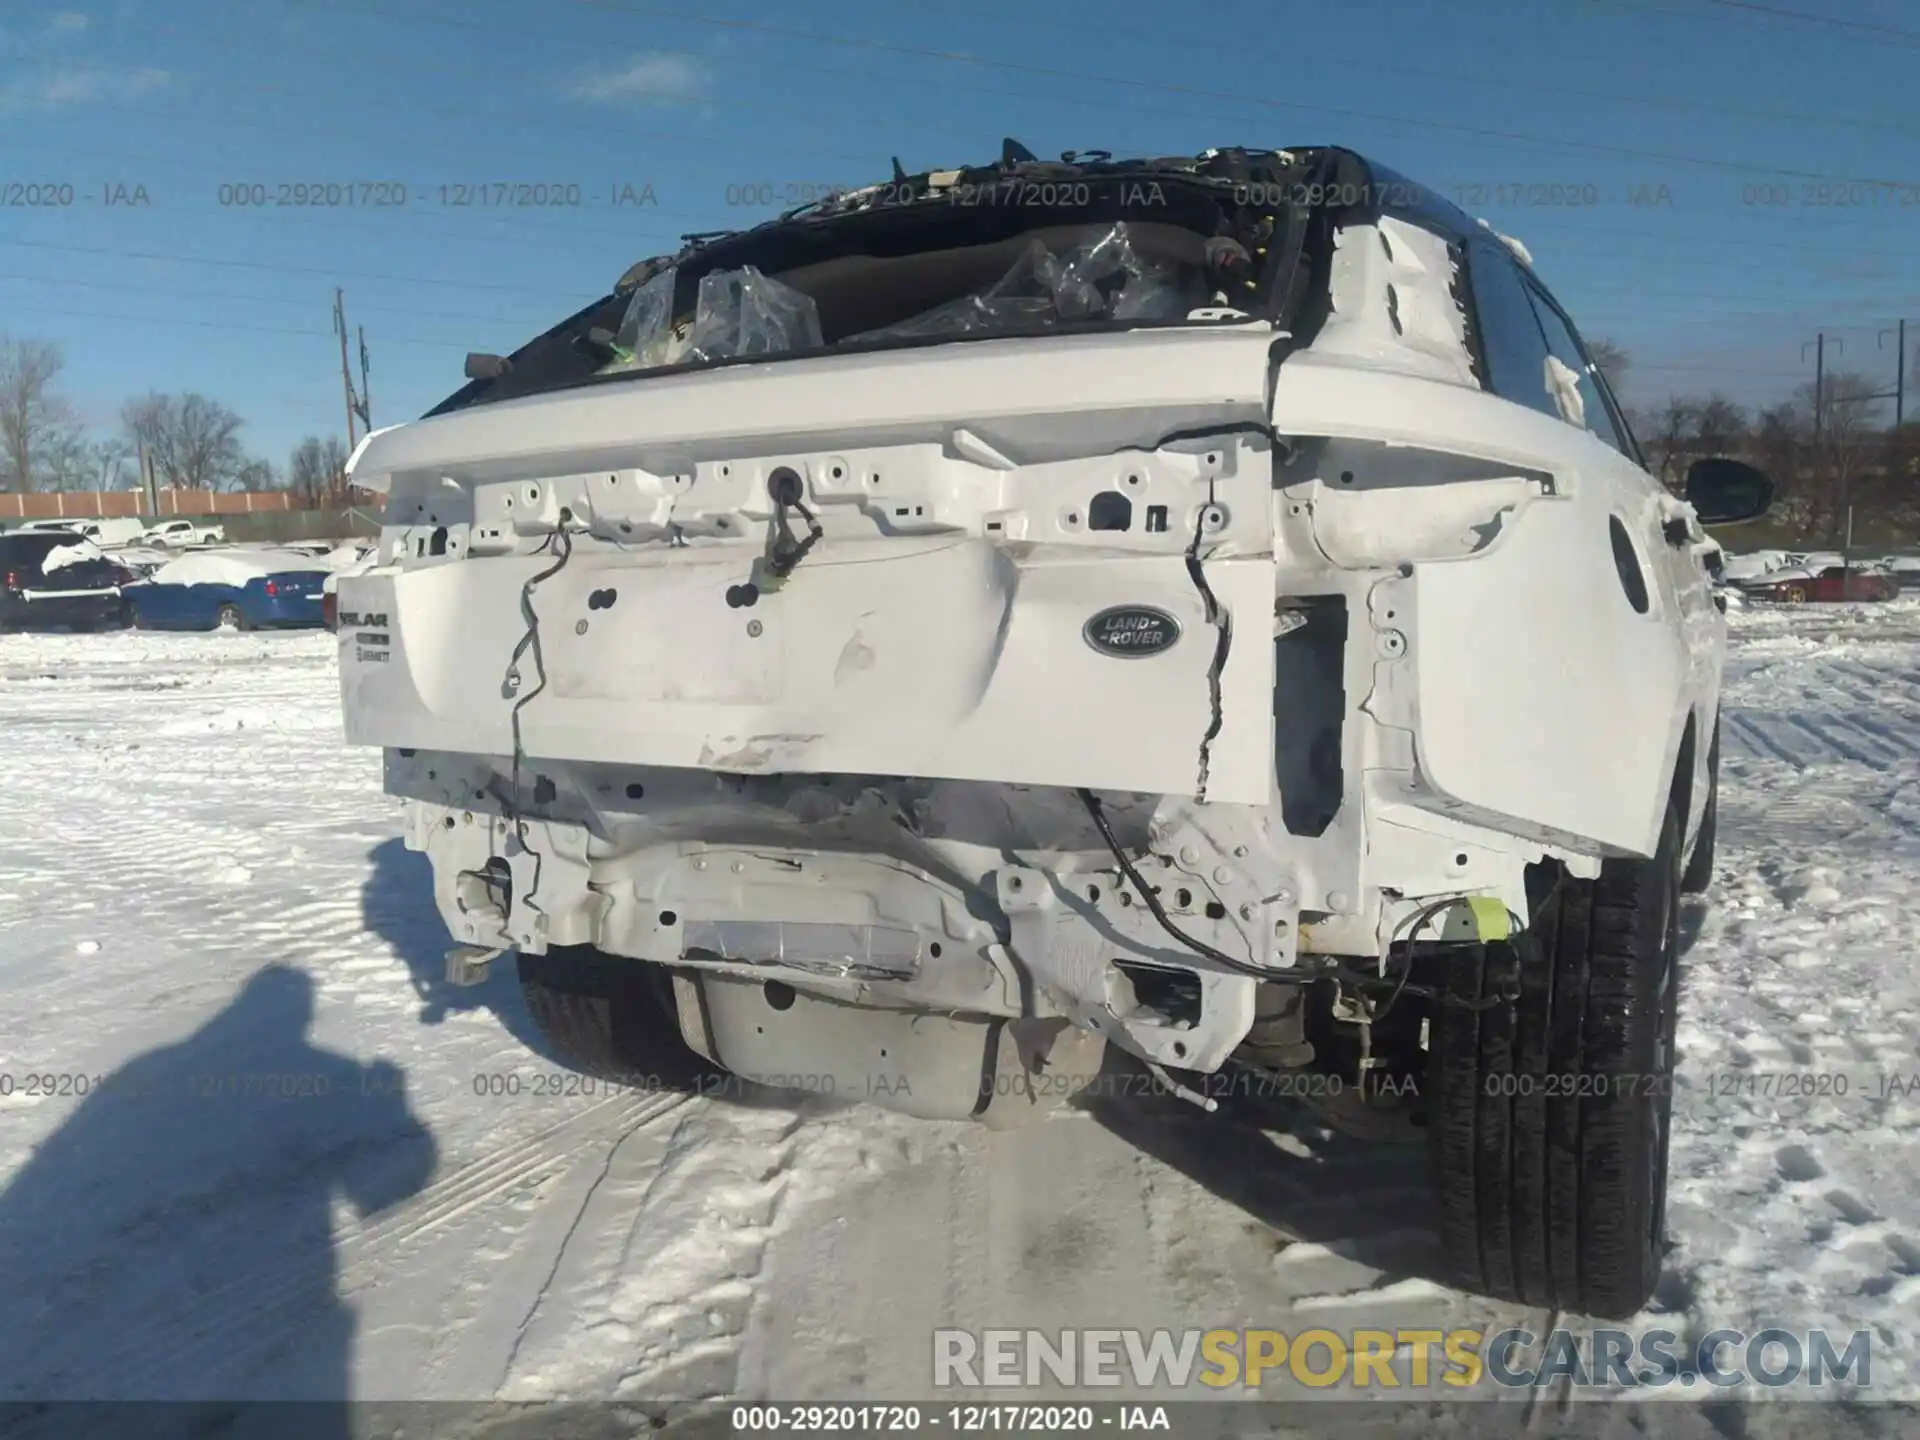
column 1132, row 631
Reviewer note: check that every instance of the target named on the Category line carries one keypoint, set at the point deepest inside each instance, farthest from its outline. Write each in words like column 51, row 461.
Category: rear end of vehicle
column 159, row 605
column 905, row 650
column 286, row 599
column 50, row 580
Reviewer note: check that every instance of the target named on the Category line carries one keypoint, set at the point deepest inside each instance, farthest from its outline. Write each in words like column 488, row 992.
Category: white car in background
column 1905, row 569
column 1218, row 612
column 184, row 534
column 105, row 531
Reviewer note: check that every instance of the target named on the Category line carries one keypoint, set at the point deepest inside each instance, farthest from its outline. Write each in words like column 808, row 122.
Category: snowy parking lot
column 252, row 1144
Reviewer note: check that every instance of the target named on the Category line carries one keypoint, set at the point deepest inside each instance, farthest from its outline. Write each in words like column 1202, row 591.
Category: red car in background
column 1831, row 583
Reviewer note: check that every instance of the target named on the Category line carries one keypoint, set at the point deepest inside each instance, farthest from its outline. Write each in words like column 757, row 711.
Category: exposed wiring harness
column 1411, row 929
column 1409, row 926
column 783, row 550
column 1199, row 947
column 561, row 543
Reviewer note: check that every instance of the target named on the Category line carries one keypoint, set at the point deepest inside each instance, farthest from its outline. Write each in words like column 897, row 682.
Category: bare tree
column 67, row 460
column 1611, row 360
column 1670, row 432
column 194, row 441
column 35, row 420
column 317, row 472
column 1779, row 440
column 1849, row 434
column 1719, row 425
column 256, row 474
column 111, row 457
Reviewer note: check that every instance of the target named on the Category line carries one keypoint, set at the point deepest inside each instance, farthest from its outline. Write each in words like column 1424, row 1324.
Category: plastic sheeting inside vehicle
column 645, row 336
column 1104, row 279
column 736, row 313
column 742, row 312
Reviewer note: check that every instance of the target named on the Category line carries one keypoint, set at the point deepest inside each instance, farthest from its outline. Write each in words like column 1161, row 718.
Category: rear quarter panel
column 1538, row 693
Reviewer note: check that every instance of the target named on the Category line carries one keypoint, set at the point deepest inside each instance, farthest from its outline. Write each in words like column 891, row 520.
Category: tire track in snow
column 248, row 1302
column 1756, row 742
column 1826, row 739
column 659, row 1277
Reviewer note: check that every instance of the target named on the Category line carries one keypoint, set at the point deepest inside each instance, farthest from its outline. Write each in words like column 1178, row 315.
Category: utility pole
column 149, row 491
column 366, row 389
column 1899, row 373
column 346, row 373
column 1819, row 347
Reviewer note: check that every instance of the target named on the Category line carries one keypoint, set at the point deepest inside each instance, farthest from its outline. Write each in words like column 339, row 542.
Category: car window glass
column 30, row 549
column 1510, row 334
column 1567, row 350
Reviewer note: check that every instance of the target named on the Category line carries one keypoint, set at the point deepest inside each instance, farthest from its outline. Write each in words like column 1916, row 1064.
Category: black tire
column 1551, row 1082
column 230, row 618
column 1699, row 872
column 609, row 1017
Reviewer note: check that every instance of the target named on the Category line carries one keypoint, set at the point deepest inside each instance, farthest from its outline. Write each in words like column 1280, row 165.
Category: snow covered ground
column 305, row 1166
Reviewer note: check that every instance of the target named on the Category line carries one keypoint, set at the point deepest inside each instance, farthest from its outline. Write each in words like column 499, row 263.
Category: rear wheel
column 609, row 1017
column 1699, row 872
column 230, row 618
column 1552, row 1079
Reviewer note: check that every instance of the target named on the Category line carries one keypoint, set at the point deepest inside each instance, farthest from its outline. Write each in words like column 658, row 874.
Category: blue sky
column 1740, row 127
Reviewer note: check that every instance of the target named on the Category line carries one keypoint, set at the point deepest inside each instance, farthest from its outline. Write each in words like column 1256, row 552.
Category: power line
column 1503, row 83
column 121, row 317
column 1763, row 12
column 1835, row 21
column 1160, row 38
column 1715, row 370
column 558, row 306
column 329, row 271
column 467, row 215
column 1050, row 72
column 1054, row 72
column 199, row 294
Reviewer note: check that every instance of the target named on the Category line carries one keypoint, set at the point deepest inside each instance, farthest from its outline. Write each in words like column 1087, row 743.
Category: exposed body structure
column 1238, row 632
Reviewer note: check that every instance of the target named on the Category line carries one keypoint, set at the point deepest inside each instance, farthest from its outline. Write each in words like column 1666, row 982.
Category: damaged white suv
column 1210, row 607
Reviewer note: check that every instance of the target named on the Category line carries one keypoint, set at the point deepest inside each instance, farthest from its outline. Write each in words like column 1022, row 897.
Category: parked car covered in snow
column 229, row 589
column 1219, row 613
column 183, row 534
column 1831, row 583
column 55, row 578
column 1752, row 565
column 1904, row 570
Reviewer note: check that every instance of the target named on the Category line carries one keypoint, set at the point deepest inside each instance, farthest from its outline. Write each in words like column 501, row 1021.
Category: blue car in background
column 231, row 591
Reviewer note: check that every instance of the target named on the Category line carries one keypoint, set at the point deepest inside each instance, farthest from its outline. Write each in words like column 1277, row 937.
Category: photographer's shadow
column 397, row 905
column 174, row 1238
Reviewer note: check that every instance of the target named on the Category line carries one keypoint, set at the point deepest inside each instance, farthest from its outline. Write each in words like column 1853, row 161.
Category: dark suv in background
column 82, row 594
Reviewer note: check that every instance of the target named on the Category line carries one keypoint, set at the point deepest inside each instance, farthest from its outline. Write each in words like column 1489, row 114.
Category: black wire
column 531, row 641
column 1199, row 947
column 786, row 552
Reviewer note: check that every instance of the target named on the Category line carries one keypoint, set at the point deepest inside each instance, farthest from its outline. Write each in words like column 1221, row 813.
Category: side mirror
column 1724, row 492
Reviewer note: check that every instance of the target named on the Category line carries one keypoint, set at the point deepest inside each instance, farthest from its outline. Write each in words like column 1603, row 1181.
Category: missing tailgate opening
column 1309, row 713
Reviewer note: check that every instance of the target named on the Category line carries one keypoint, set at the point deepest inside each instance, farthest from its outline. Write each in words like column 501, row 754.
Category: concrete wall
column 59, row 504
column 303, row 525
column 276, row 526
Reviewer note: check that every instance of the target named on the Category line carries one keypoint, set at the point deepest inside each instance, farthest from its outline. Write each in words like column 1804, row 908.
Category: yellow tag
column 1489, row 916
